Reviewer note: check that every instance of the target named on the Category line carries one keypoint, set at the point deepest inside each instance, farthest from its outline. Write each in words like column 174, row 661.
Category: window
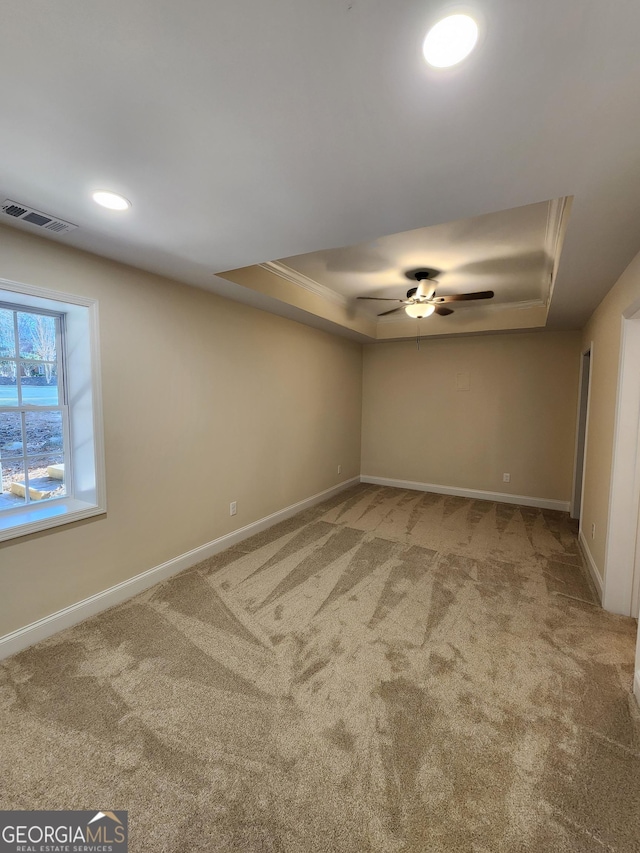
column 33, row 411
column 51, row 462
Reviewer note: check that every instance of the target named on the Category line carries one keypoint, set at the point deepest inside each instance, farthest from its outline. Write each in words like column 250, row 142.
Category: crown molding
column 557, row 220
column 283, row 271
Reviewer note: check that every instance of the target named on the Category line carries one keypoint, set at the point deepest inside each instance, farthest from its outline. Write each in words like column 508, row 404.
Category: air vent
column 35, row 217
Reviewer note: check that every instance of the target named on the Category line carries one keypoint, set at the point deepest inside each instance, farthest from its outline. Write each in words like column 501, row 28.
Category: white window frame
column 84, row 454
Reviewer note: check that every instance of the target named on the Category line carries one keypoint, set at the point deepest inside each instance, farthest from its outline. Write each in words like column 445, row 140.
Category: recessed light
column 111, row 200
column 450, row 41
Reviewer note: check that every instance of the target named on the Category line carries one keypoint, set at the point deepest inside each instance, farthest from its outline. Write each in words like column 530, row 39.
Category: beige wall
column 205, row 401
column 603, row 330
column 518, row 416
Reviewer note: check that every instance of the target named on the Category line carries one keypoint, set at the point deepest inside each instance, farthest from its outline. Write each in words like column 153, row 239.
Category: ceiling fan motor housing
column 426, row 283
column 426, row 290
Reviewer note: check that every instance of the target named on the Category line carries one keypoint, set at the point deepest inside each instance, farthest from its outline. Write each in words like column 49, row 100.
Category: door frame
column 624, row 494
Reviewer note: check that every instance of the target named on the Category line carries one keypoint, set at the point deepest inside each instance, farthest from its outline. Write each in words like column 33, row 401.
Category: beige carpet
column 389, row 671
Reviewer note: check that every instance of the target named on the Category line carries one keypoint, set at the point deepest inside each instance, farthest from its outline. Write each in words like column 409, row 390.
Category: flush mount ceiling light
column 450, row 41
column 113, row 201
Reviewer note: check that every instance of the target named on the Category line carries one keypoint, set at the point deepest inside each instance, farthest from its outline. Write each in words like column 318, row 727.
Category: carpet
column 388, row 671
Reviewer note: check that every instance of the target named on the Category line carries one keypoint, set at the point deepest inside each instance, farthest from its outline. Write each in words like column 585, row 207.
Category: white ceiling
column 246, row 131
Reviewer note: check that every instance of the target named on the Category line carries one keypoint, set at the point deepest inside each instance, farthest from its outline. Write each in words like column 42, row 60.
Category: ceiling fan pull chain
column 418, row 334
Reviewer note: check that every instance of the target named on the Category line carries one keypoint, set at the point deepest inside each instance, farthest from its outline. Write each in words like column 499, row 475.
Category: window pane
column 44, row 432
column 46, row 477
column 39, row 383
column 37, row 334
column 12, row 475
column 10, row 435
column 8, row 386
column 7, row 337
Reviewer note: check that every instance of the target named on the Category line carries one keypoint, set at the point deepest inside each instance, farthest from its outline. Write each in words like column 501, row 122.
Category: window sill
column 35, row 518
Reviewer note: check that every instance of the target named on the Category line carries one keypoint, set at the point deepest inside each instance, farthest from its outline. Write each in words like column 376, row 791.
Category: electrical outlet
column 593, row 531
column 339, row 469
column 506, row 478
column 233, row 507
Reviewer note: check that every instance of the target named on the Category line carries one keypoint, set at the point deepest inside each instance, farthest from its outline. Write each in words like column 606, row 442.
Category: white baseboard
column 500, row 497
column 21, row 639
column 593, row 569
column 636, row 686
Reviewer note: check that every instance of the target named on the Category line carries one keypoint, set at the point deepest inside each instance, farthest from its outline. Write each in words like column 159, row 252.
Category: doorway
column 581, row 433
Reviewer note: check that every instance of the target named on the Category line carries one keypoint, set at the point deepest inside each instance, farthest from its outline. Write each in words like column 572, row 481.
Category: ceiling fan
column 422, row 301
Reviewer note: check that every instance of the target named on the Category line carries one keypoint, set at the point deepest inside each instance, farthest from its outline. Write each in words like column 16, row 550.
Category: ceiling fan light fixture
column 419, row 310
column 450, row 41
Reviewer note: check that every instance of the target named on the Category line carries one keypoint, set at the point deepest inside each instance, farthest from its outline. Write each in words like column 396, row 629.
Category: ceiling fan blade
column 464, row 297
column 443, row 312
column 380, row 298
column 393, row 311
